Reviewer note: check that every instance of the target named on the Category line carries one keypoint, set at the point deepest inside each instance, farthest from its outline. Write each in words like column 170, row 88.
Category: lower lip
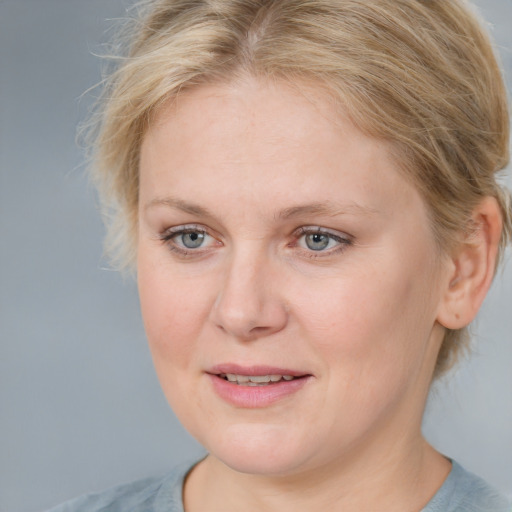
column 252, row 397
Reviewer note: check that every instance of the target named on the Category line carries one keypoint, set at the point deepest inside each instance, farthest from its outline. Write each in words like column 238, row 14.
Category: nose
column 249, row 304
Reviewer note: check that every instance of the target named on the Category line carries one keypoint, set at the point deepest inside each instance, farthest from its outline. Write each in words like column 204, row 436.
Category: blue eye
column 183, row 239
column 316, row 240
column 192, row 240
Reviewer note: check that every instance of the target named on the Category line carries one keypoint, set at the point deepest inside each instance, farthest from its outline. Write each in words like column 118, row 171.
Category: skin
column 238, row 163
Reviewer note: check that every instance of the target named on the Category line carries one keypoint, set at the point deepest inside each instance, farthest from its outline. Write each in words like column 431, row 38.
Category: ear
column 472, row 267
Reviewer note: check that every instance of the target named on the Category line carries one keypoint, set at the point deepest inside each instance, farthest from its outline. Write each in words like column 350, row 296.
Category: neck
column 404, row 478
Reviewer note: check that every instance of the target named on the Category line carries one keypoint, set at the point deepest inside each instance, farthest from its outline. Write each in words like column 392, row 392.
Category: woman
column 308, row 193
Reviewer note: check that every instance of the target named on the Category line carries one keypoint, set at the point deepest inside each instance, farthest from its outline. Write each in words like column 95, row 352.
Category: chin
column 259, row 449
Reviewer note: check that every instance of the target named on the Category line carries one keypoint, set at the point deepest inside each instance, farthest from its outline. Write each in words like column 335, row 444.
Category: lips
column 255, row 386
column 255, row 380
column 254, row 370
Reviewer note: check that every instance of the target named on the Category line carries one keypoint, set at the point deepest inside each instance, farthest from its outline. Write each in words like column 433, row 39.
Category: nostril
column 248, row 333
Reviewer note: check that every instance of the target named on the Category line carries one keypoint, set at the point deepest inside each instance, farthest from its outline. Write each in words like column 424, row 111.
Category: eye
column 187, row 239
column 319, row 240
column 191, row 240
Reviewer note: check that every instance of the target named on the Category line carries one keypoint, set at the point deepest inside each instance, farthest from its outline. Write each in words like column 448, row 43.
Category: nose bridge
column 248, row 304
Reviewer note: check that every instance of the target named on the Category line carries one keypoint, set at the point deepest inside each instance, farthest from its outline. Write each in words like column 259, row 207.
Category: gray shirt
column 461, row 492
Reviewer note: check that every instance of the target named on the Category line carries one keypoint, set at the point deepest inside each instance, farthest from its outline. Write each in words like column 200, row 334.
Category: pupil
column 317, row 241
column 192, row 240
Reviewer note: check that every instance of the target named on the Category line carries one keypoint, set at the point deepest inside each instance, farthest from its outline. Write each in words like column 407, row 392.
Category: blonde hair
column 420, row 74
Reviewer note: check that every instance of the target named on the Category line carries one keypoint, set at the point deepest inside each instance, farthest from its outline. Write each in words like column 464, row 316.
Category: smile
column 255, row 380
column 256, row 386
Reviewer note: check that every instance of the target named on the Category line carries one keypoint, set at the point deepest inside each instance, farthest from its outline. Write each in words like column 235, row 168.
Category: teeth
column 255, row 380
column 259, row 379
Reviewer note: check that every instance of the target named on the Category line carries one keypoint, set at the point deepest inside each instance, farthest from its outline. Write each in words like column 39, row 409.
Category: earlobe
column 472, row 267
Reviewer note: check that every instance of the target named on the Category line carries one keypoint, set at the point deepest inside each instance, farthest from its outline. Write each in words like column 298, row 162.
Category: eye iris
column 317, row 241
column 192, row 240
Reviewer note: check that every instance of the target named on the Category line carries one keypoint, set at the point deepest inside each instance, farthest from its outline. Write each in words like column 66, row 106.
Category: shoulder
column 156, row 494
column 465, row 492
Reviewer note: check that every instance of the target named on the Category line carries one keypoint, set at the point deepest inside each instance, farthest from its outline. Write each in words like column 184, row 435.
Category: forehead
column 273, row 113
column 259, row 138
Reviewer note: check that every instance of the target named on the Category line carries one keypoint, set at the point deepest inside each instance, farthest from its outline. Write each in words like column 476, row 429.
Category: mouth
column 257, row 380
column 256, row 386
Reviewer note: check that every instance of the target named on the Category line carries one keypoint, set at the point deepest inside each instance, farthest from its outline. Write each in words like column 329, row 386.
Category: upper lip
column 253, row 370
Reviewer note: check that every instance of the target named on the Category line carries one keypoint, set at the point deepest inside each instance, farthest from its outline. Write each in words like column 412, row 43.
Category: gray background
column 80, row 407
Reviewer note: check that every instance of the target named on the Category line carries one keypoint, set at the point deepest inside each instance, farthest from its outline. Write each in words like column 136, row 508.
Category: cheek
column 173, row 311
column 370, row 322
column 172, row 314
column 371, row 334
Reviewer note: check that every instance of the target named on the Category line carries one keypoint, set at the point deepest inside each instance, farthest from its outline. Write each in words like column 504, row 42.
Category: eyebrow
column 326, row 208
column 178, row 204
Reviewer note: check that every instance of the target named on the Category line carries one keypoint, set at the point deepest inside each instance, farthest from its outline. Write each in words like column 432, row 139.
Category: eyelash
column 168, row 236
column 343, row 241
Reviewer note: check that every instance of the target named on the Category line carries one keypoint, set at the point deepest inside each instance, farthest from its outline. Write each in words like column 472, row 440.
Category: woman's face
column 275, row 243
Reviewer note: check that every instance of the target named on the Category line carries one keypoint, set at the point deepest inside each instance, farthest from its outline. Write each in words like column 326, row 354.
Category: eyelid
column 171, row 232
column 343, row 240
column 311, row 230
column 168, row 235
